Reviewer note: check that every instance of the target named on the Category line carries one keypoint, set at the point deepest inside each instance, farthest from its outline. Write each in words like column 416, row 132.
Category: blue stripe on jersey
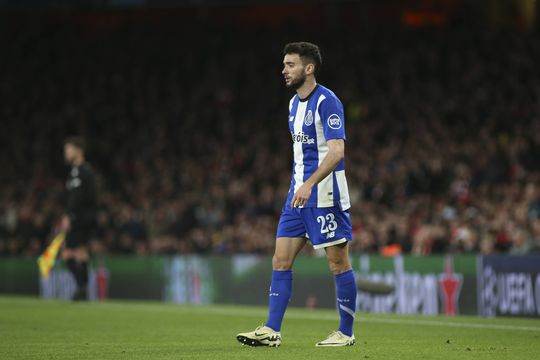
column 311, row 156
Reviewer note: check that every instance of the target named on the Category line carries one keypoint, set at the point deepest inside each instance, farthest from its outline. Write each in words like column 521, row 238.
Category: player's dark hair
column 76, row 141
column 308, row 52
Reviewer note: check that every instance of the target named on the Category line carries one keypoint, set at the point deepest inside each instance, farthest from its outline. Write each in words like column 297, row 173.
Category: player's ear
column 310, row 69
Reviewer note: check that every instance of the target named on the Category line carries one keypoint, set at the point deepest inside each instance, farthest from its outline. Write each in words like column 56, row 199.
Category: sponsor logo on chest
column 302, row 137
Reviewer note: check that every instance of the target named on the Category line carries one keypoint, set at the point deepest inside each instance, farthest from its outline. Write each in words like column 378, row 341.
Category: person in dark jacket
column 79, row 221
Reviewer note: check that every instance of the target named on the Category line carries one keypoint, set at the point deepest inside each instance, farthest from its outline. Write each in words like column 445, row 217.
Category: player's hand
column 301, row 197
column 66, row 223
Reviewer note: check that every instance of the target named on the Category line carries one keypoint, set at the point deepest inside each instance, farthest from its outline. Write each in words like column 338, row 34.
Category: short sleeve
column 332, row 118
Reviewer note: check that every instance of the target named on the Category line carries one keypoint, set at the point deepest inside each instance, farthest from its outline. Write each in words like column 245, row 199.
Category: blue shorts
column 323, row 226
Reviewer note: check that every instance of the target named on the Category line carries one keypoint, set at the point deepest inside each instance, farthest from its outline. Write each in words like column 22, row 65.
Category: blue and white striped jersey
column 312, row 122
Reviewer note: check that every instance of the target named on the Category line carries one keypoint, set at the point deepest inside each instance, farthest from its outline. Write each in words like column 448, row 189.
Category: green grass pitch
column 37, row 329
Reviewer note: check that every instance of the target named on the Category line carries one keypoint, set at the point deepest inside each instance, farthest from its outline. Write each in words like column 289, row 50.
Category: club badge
column 308, row 120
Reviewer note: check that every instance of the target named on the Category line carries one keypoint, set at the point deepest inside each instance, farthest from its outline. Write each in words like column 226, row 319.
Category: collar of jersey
column 311, row 93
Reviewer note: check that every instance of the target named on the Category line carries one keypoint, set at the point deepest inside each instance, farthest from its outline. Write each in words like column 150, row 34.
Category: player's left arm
column 336, row 152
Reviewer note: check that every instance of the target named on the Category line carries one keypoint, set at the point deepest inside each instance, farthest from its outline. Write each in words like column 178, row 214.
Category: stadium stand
column 186, row 129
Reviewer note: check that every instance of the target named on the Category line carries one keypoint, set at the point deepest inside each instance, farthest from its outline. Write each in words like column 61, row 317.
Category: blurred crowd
column 187, row 131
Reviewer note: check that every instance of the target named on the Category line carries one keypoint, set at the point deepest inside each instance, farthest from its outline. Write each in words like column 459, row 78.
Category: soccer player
column 318, row 201
column 79, row 222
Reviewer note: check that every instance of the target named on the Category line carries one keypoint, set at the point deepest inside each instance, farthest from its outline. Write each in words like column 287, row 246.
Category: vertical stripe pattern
column 297, row 147
column 343, row 189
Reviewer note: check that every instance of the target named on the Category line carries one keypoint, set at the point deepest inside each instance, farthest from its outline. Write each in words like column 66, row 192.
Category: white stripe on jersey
column 343, row 189
column 325, row 188
column 297, row 147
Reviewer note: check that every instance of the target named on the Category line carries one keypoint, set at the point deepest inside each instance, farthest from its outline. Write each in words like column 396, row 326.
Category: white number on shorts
column 331, row 226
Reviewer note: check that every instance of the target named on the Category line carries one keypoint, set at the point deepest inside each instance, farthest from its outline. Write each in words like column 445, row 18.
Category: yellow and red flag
column 47, row 259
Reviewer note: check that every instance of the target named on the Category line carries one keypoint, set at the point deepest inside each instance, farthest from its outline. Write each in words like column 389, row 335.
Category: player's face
column 294, row 71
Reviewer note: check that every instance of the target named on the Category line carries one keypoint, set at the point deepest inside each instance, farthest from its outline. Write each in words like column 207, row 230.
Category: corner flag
column 47, row 259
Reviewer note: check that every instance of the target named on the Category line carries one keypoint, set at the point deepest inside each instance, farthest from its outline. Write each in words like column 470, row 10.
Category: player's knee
column 338, row 266
column 281, row 263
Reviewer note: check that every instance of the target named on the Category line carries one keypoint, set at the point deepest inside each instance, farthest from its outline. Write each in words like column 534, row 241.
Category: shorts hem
column 332, row 243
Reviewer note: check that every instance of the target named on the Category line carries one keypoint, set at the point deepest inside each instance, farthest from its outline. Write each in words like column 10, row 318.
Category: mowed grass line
column 37, row 329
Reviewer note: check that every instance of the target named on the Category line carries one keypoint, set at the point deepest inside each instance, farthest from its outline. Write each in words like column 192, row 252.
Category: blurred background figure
column 79, row 222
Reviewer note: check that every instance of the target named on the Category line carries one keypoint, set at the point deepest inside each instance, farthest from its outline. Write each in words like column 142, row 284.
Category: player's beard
column 297, row 83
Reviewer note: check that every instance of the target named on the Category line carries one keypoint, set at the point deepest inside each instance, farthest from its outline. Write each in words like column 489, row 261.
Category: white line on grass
column 451, row 324
column 291, row 314
column 325, row 316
